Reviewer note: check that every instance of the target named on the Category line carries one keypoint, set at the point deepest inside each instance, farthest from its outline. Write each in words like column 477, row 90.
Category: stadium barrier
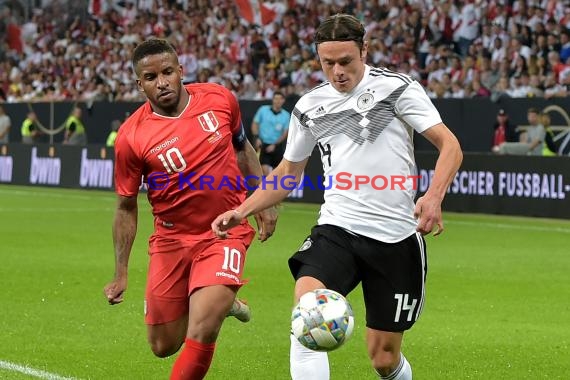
column 471, row 120
column 512, row 185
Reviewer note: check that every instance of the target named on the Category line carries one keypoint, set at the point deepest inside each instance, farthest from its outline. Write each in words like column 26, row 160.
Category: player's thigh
column 393, row 282
column 166, row 296
column 326, row 256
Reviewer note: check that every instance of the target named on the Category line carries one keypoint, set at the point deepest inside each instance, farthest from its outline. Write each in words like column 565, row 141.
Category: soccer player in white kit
column 362, row 120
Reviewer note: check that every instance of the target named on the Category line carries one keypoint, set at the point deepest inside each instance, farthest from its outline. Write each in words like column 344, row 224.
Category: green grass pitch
column 497, row 298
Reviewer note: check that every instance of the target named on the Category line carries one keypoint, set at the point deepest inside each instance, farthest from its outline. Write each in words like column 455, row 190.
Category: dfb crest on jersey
column 365, row 101
column 209, row 122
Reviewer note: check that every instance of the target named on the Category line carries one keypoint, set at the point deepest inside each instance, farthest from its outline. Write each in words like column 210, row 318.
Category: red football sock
column 194, row 361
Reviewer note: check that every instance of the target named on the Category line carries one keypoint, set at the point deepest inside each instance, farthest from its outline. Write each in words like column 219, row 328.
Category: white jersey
column 367, row 133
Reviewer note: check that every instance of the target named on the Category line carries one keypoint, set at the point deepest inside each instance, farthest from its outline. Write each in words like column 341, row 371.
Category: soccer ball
column 322, row 320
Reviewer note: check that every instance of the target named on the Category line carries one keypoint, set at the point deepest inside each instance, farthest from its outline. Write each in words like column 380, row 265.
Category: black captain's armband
column 239, row 139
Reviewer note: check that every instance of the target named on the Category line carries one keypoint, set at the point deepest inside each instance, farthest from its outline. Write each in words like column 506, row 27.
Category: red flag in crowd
column 14, row 37
column 256, row 12
column 94, row 7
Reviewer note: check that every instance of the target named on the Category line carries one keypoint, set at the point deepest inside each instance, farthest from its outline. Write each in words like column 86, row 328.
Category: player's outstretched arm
column 264, row 197
column 428, row 207
column 124, row 232
column 249, row 165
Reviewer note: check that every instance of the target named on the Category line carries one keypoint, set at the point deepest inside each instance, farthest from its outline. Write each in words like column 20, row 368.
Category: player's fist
column 428, row 214
column 114, row 291
column 266, row 221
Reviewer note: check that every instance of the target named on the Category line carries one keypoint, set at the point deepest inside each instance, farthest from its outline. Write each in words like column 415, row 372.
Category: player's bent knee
column 162, row 348
column 385, row 361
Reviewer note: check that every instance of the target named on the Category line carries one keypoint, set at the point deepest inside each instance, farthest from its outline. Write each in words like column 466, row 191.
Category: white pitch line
column 32, row 371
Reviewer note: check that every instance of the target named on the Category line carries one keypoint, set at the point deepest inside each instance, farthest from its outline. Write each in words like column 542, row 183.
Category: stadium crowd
column 457, row 49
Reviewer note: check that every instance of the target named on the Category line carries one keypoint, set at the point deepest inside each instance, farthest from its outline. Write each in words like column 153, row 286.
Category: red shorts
column 173, row 275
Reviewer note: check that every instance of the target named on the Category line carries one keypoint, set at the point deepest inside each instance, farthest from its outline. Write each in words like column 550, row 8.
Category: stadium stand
column 70, row 50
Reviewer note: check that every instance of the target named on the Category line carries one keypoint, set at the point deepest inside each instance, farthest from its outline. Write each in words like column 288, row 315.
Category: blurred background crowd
column 54, row 50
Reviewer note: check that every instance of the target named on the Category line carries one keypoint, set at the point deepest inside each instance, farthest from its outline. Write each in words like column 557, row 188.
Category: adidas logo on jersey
column 320, row 111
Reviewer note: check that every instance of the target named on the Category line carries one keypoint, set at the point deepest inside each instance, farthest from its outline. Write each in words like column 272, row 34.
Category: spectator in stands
column 555, row 65
column 478, row 89
column 57, row 44
column 259, row 52
column 490, row 73
column 457, row 91
column 565, row 42
column 505, row 131
column 553, row 89
column 467, row 30
column 5, row 124
column 531, row 141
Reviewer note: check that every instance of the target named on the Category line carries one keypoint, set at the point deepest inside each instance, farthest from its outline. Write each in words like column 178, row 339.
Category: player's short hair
column 340, row 27
column 152, row 46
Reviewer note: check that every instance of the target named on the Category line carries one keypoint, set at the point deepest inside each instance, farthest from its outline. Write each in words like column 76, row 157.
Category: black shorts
column 271, row 159
column 393, row 275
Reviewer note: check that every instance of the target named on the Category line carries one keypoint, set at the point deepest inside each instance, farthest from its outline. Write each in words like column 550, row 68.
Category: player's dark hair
column 151, row 47
column 279, row 93
column 340, row 27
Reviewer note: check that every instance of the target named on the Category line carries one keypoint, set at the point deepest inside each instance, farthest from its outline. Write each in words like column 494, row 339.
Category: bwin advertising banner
column 57, row 166
column 485, row 183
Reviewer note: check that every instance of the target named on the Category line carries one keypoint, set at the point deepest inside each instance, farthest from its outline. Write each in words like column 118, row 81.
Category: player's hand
column 428, row 214
column 224, row 222
column 270, row 148
column 266, row 221
column 114, row 290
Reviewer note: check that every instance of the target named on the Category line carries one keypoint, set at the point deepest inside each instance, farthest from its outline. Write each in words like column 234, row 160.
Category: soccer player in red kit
column 188, row 143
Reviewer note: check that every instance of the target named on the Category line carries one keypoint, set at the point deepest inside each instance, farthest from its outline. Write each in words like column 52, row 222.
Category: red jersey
column 188, row 162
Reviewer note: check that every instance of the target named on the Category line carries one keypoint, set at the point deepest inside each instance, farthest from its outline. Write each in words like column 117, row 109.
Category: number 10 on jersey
column 232, row 260
column 169, row 163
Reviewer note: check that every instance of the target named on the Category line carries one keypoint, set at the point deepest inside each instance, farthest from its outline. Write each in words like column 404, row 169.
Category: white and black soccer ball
column 322, row 320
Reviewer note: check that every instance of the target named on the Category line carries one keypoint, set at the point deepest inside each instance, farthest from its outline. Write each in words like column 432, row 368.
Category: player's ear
column 364, row 51
column 139, row 85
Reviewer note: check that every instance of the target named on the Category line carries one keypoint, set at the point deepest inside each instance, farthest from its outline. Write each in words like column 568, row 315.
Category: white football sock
column 402, row 372
column 308, row 364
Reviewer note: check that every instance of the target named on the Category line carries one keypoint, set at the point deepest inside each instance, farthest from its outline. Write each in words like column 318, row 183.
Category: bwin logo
column 95, row 172
column 44, row 170
column 6, row 166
